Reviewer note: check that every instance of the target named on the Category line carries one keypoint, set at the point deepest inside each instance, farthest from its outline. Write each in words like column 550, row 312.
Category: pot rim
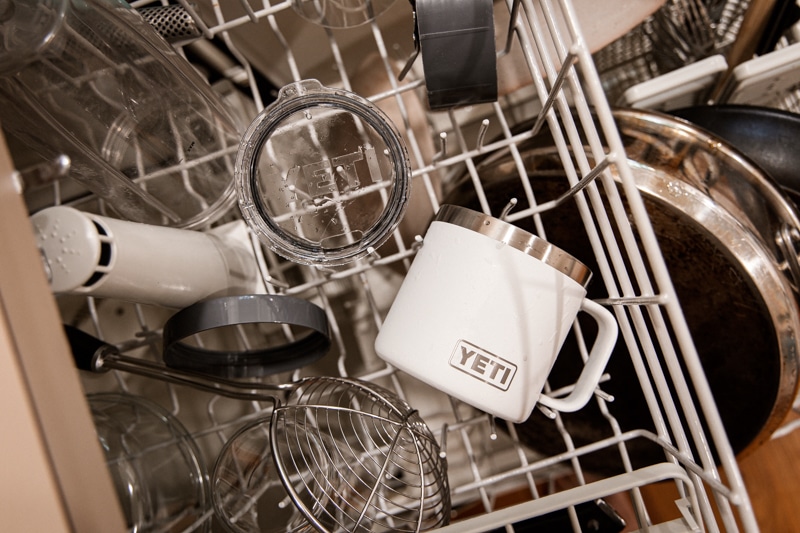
column 715, row 211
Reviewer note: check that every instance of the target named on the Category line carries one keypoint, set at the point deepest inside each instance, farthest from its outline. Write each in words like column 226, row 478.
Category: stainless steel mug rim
column 517, row 238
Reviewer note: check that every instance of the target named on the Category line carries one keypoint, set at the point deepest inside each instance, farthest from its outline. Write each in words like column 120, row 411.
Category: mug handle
column 595, row 364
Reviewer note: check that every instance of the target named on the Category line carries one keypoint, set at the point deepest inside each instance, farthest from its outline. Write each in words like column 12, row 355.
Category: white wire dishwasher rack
column 495, row 480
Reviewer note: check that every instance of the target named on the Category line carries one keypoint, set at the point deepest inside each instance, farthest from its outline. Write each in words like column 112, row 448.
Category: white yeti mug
column 483, row 312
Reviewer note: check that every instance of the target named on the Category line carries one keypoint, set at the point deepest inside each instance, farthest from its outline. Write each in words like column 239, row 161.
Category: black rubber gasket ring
column 250, row 309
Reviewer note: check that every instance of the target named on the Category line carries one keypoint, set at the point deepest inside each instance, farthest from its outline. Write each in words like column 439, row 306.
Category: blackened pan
column 716, row 217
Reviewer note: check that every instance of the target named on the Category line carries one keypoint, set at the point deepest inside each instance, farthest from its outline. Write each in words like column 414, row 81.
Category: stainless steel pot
column 766, row 135
column 725, row 230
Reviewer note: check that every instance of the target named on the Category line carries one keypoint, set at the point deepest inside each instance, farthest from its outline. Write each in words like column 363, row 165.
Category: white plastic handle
column 595, row 364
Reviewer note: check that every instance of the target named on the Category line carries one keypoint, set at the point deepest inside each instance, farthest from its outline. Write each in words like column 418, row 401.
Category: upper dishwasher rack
column 547, row 80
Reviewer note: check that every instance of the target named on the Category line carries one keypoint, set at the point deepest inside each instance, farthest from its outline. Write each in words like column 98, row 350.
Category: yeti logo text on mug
column 483, row 365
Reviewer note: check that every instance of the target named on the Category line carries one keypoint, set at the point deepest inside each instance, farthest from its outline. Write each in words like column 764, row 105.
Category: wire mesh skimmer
column 351, row 455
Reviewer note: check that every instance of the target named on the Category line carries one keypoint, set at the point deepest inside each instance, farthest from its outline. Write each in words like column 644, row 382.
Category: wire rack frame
column 568, row 99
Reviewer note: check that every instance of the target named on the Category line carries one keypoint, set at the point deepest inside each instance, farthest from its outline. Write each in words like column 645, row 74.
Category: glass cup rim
column 142, row 410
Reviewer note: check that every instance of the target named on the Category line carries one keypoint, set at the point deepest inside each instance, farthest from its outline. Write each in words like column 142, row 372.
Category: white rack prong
column 442, row 153
column 482, row 134
column 507, row 209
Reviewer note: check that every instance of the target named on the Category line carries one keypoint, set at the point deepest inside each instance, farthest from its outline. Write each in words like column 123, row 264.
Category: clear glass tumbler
column 161, row 480
column 144, row 132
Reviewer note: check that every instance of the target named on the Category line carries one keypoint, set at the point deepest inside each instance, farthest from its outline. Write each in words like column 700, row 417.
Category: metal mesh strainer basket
column 386, row 470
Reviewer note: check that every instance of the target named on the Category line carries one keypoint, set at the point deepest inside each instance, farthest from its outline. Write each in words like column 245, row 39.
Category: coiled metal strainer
column 351, row 455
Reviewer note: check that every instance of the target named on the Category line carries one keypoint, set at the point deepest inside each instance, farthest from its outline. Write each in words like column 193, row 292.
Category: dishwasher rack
column 495, row 481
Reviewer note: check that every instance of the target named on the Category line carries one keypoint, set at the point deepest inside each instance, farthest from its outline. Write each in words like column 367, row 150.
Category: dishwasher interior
column 549, row 139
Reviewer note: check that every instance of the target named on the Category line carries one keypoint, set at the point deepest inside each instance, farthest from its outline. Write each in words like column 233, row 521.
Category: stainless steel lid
column 517, row 238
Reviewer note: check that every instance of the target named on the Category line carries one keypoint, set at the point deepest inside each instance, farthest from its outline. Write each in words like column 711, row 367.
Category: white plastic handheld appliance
column 109, row 258
column 484, row 311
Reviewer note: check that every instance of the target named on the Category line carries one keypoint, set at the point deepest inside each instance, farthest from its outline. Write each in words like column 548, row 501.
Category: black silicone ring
column 456, row 39
column 250, row 309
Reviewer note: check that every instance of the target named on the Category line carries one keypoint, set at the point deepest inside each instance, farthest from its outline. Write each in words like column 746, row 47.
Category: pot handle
column 595, row 364
column 785, row 239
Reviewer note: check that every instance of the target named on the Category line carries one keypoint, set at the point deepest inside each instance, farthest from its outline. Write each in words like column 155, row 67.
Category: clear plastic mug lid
column 323, row 176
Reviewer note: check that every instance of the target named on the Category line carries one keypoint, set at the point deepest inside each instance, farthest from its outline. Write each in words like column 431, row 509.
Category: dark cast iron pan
column 748, row 347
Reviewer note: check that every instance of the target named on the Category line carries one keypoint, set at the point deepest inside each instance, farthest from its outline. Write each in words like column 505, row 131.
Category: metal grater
column 172, row 22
